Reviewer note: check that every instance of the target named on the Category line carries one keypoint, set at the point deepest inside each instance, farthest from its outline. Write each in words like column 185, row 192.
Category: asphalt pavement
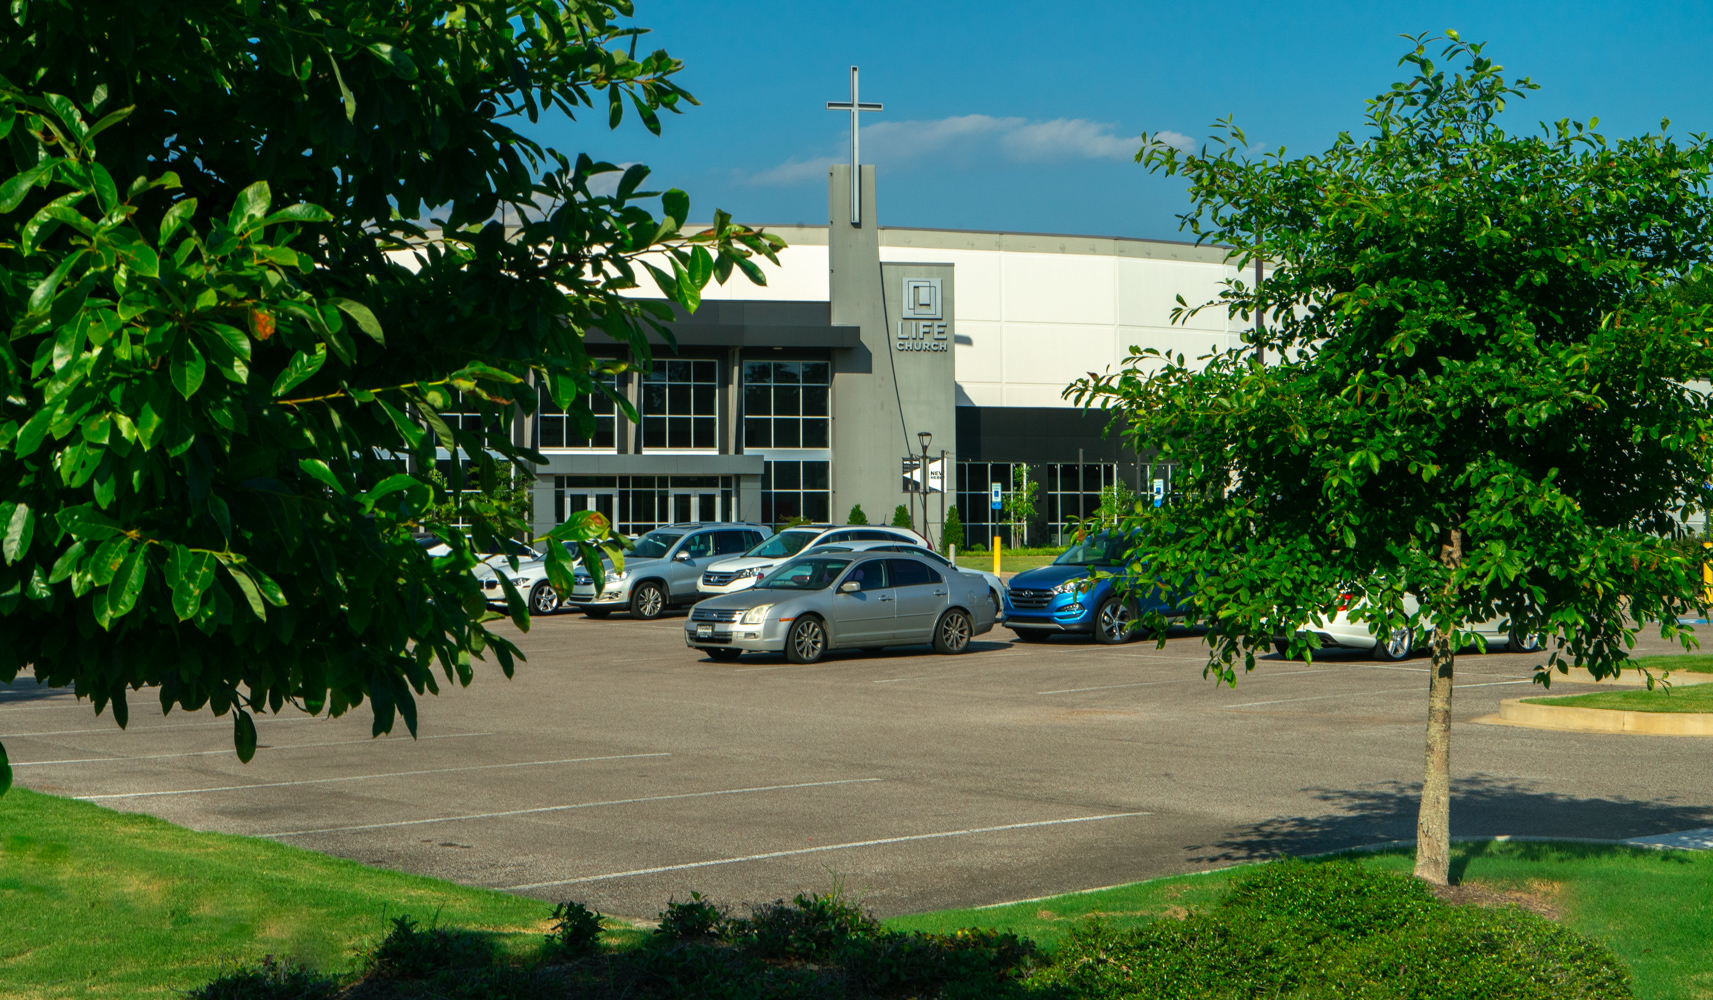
column 620, row 768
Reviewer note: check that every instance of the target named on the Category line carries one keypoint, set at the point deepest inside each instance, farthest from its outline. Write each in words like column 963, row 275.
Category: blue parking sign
column 996, row 503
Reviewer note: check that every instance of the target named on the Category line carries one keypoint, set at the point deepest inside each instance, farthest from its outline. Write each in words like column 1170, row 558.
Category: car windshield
column 808, row 573
column 786, row 543
column 656, row 544
column 1096, row 550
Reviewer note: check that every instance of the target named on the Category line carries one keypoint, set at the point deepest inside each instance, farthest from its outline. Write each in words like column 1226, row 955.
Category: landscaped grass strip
column 100, row 903
column 1688, row 698
column 1698, row 663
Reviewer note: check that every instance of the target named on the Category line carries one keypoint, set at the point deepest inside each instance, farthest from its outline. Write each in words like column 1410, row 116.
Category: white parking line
column 817, row 850
column 266, row 721
column 1356, row 694
column 578, row 805
column 363, row 777
column 228, row 750
column 1178, row 680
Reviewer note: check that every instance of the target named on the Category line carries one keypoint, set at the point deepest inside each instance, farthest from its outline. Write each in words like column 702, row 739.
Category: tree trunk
column 1433, row 823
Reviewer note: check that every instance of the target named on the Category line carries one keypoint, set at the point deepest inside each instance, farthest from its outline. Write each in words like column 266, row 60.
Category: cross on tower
column 855, row 108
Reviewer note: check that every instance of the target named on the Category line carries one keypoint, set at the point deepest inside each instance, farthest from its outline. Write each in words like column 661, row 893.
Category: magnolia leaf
column 84, row 521
column 397, row 58
column 192, row 573
column 318, row 470
column 251, row 205
column 13, row 191
column 303, row 366
column 176, row 216
column 188, row 368
column 244, row 736
column 365, row 319
column 19, row 526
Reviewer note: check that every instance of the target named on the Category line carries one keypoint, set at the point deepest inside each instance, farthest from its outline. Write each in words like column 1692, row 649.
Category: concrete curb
column 1568, row 719
column 1631, row 678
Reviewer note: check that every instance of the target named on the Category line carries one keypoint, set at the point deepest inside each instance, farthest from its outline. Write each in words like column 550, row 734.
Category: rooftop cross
column 855, row 108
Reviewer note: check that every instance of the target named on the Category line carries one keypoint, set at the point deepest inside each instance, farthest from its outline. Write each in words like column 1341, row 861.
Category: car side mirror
column 849, row 587
column 682, row 556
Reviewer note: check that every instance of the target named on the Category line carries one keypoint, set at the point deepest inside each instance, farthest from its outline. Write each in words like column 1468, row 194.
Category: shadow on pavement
column 1481, row 805
column 28, row 689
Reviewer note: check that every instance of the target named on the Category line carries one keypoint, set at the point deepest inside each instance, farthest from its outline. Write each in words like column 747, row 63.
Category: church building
column 871, row 345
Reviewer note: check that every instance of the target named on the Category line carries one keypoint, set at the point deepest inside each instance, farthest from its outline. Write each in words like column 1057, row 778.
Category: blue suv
column 1060, row 598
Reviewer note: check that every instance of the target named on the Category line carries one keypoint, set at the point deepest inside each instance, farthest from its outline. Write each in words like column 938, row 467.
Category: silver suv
column 728, row 576
column 663, row 569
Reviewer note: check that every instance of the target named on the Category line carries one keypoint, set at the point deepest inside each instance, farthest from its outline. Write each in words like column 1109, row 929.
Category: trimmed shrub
column 696, row 920
column 856, row 516
column 269, row 979
column 901, row 517
column 576, row 929
column 1340, row 932
column 810, row 928
column 409, row 953
column 952, row 532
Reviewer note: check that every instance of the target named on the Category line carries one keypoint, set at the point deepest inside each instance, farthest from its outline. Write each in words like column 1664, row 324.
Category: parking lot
column 620, row 768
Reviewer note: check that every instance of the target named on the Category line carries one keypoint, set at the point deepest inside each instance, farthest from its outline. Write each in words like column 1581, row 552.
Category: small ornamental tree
column 229, row 340
column 1018, row 505
column 952, row 532
column 901, row 517
column 856, row 516
column 1476, row 400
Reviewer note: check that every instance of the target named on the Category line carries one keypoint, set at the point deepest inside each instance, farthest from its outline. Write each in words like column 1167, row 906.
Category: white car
column 1342, row 633
column 530, row 579
column 995, row 586
column 728, row 576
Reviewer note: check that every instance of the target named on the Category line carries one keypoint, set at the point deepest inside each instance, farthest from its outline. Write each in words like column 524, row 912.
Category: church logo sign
column 923, row 327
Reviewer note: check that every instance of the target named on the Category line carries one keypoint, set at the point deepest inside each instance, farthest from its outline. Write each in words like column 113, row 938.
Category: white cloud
column 970, row 139
column 1177, row 140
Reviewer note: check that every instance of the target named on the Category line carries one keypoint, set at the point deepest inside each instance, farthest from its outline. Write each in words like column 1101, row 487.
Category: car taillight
column 1344, row 601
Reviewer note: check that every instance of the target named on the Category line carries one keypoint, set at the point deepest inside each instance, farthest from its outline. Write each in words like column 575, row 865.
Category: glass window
column 795, row 489
column 910, row 573
column 680, row 405
column 555, row 429
column 655, row 544
column 700, row 545
column 786, row 404
column 808, row 573
column 786, row 543
column 730, row 543
column 870, row 575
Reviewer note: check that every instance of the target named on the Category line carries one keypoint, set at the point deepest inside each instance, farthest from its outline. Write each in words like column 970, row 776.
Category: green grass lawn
column 1653, row 908
column 1688, row 698
column 1696, row 663
column 1011, row 560
column 96, row 903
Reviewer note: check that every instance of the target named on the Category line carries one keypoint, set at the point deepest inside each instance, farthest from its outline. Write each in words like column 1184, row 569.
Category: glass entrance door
column 604, row 502
column 699, row 506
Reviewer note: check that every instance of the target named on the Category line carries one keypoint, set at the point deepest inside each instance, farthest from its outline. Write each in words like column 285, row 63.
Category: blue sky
column 1022, row 117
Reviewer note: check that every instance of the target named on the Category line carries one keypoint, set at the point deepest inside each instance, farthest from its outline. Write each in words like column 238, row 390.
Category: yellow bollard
column 1707, row 577
column 997, row 545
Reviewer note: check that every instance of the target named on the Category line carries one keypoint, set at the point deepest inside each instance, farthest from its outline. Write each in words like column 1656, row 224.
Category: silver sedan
column 840, row 600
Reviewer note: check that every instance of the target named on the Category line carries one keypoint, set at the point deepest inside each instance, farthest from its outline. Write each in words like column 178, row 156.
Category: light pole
column 925, row 437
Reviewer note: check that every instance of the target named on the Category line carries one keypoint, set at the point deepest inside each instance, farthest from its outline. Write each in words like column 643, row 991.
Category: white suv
column 732, row 575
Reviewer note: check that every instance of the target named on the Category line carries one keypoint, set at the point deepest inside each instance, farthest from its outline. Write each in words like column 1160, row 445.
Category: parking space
column 620, row 768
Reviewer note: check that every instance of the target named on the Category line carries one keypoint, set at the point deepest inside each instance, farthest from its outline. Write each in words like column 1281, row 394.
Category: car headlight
column 1070, row 586
column 744, row 573
column 518, row 581
column 618, row 576
column 756, row 615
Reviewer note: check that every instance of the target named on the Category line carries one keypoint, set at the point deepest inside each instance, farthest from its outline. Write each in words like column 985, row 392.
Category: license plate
column 704, row 631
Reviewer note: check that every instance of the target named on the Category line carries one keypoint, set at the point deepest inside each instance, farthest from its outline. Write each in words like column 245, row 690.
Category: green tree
column 230, row 336
column 856, row 516
column 1116, row 503
column 1476, row 394
column 510, row 500
column 901, row 517
column 952, row 532
column 1018, row 505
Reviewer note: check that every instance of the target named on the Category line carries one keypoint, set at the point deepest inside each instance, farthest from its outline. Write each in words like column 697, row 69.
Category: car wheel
column 1115, row 622
column 953, row 633
column 807, row 641
column 1283, row 648
column 647, row 602
column 1396, row 647
column 543, row 600
column 597, row 612
column 1033, row 635
column 723, row 654
column 1532, row 643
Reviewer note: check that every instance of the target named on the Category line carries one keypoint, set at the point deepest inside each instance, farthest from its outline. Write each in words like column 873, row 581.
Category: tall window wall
column 642, row 503
column 785, row 404
column 1064, row 491
column 680, row 406
column 787, row 416
column 556, row 431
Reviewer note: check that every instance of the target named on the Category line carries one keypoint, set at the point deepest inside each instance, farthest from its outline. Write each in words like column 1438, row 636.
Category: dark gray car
column 816, row 603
